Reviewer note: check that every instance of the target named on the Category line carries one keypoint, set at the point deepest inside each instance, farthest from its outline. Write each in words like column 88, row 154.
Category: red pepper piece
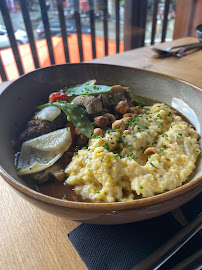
column 58, row 96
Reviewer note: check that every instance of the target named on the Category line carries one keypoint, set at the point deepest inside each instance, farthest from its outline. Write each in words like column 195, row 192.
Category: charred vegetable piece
column 140, row 101
column 43, row 151
column 87, row 90
column 58, row 96
column 76, row 115
column 92, row 104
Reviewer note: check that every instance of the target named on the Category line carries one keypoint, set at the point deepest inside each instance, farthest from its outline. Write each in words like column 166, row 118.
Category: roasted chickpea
column 138, row 109
column 101, row 122
column 122, row 107
column 131, row 110
column 126, row 119
column 128, row 115
column 110, row 116
column 119, row 124
column 98, row 132
column 126, row 132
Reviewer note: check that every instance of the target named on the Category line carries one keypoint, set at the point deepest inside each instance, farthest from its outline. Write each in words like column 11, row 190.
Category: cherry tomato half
column 58, row 96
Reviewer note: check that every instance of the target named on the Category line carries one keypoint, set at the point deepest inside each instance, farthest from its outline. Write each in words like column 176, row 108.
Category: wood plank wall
column 188, row 16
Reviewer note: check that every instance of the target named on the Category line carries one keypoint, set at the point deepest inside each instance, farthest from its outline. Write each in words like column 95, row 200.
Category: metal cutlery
column 177, row 51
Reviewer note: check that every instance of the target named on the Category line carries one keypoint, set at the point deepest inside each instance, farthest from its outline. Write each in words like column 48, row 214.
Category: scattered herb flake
column 96, row 136
column 159, row 125
column 106, row 145
column 131, row 155
column 117, row 148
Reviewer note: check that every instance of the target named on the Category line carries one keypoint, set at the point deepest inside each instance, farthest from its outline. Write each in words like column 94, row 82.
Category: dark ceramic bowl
column 20, row 98
column 199, row 32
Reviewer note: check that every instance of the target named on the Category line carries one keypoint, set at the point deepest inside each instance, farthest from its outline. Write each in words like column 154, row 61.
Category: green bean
column 75, row 114
column 87, row 90
column 140, row 101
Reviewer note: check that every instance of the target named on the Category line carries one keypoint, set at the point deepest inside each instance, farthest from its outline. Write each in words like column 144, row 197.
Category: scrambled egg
column 116, row 167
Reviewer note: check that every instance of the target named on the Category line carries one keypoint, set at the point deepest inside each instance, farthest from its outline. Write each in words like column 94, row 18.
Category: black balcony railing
column 134, row 29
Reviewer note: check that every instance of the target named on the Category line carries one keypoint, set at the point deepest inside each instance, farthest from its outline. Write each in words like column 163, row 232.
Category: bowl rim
column 138, row 203
column 199, row 29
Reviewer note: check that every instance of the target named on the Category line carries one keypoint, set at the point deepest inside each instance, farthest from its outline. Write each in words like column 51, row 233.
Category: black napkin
column 114, row 247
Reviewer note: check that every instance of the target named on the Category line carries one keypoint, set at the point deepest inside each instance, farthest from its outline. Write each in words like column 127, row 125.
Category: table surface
column 33, row 239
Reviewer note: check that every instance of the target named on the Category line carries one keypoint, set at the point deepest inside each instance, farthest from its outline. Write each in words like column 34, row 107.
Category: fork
column 170, row 51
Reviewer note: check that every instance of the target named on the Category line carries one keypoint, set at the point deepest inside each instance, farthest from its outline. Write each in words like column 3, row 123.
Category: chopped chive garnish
column 96, row 136
column 152, row 164
column 117, row 148
column 131, row 155
column 106, row 145
column 160, row 124
column 141, row 187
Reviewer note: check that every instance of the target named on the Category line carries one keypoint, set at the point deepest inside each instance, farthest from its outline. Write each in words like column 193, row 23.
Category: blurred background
column 38, row 33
